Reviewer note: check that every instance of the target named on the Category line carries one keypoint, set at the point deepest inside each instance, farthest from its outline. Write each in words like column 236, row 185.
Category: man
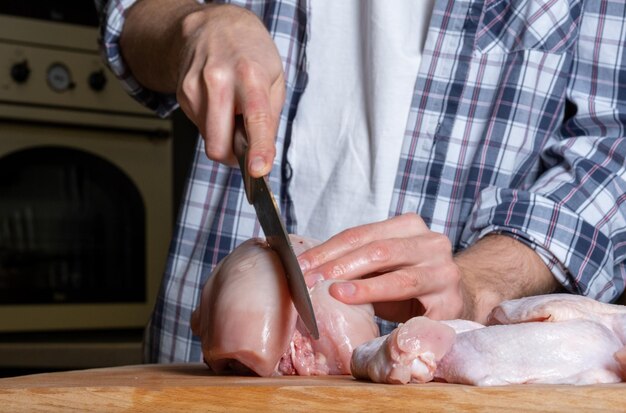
column 507, row 173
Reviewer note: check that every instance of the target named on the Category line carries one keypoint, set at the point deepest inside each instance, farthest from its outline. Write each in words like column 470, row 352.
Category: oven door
column 85, row 223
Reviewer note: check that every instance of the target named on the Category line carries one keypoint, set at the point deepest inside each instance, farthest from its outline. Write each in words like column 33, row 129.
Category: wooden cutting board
column 191, row 388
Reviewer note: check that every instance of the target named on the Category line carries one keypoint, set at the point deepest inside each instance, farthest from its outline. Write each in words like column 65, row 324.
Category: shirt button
column 287, row 172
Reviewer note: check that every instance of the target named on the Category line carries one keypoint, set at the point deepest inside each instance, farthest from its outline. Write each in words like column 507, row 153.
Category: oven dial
column 59, row 78
column 97, row 80
column 20, row 72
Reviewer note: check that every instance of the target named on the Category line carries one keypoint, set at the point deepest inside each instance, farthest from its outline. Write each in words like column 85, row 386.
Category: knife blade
column 260, row 195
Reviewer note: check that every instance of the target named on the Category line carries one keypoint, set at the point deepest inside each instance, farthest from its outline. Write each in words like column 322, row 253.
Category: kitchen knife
column 260, row 196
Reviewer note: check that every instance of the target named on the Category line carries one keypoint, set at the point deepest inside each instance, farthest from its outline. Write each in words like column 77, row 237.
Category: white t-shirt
column 363, row 58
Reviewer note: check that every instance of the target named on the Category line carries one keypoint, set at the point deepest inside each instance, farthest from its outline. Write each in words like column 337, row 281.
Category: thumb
column 260, row 126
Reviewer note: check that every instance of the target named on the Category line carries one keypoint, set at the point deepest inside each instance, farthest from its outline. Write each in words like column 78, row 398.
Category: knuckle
column 413, row 220
column 409, row 280
column 247, row 70
column 337, row 271
column 314, row 260
column 215, row 77
column 441, row 243
column 257, row 118
column 353, row 237
column 188, row 88
column 379, row 252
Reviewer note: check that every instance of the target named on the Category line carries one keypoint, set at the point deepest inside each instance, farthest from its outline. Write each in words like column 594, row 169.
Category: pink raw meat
column 582, row 344
column 567, row 352
column 342, row 327
column 409, row 354
column 251, row 325
column 555, row 307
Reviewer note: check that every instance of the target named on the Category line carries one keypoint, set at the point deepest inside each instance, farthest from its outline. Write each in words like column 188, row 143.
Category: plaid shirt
column 516, row 127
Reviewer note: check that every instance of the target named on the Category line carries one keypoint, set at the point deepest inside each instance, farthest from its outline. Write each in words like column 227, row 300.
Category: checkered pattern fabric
column 516, row 127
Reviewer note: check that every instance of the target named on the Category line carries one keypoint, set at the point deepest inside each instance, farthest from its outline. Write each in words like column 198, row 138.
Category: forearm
column 499, row 268
column 151, row 41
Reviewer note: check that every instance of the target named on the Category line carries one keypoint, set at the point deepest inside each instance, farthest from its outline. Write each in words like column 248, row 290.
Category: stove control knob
column 59, row 78
column 97, row 80
column 20, row 72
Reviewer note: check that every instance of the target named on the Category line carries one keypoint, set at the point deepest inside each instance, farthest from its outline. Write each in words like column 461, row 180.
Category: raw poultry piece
column 567, row 352
column 583, row 344
column 342, row 327
column 561, row 307
column 249, row 324
column 410, row 353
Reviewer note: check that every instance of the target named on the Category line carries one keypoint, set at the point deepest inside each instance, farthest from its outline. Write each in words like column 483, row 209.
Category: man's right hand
column 220, row 61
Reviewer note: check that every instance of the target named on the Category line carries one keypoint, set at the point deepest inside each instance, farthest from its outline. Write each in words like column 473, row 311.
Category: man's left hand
column 398, row 264
column 406, row 270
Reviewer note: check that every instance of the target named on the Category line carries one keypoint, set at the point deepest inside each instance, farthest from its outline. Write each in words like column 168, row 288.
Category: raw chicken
column 250, row 324
column 342, row 327
column 567, row 352
column 582, row 343
column 409, row 354
column 249, row 314
column 561, row 307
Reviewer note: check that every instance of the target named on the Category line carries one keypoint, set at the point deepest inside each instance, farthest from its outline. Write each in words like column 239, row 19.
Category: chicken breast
column 249, row 324
column 248, row 317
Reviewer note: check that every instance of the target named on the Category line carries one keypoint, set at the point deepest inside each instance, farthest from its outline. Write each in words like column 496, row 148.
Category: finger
column 447, row 306
column 219, row 115
column 211, row 115
column 189, row 92
column 379, row 257
column 277, row 96
column 394, row 286
column 375, row 257
column 401, row 226
column 253, row 95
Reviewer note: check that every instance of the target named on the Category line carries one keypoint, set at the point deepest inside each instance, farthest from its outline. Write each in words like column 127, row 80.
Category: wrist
column 499, row 268
column 478, row 298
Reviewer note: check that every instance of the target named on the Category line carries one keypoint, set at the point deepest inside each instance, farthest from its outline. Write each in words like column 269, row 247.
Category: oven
column 85, row 200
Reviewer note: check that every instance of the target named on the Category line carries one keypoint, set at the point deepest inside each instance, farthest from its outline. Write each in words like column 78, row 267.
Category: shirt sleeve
column 574, row 216
column 112, row 17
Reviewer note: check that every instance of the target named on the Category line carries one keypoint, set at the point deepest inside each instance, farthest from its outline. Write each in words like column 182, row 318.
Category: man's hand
column 398, row 264
column 406, row 270
column 220, row 61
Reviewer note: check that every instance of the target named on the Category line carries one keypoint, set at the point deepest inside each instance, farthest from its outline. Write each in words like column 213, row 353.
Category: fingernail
column 257, row 165
column 346, row 289
column 312, row 279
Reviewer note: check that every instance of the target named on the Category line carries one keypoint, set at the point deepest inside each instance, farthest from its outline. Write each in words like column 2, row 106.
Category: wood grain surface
column 192, row 388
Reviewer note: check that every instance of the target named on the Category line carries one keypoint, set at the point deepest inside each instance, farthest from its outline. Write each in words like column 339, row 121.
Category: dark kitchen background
column 90, row 183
